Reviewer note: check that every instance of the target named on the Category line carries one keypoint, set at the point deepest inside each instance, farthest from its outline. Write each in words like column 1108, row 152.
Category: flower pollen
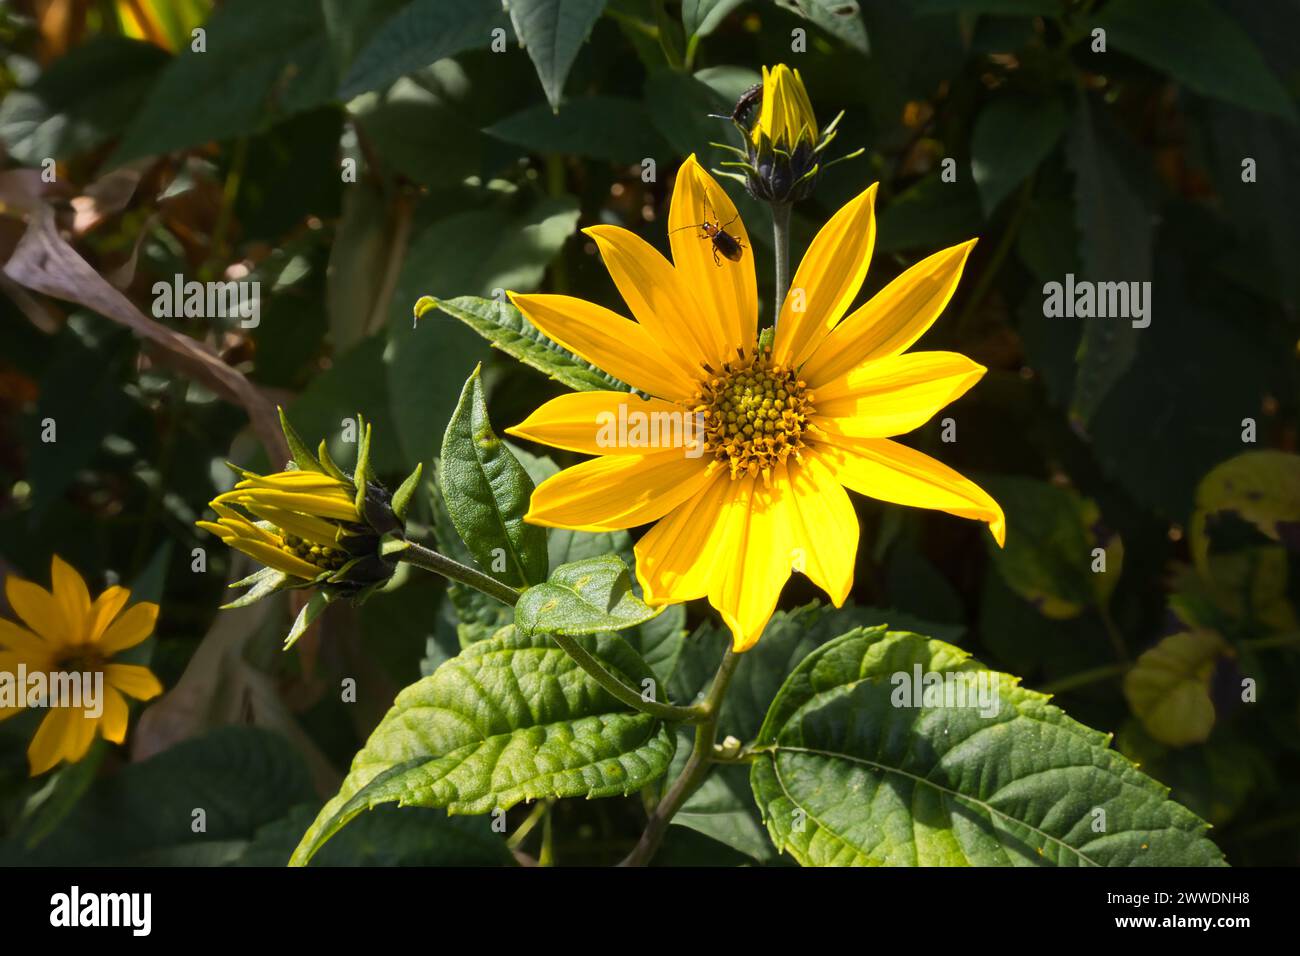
column 755, row 414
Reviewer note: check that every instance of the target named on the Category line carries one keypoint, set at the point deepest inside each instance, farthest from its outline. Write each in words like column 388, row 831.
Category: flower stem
column 693, row 774
column 431, row 560
column 781, row 240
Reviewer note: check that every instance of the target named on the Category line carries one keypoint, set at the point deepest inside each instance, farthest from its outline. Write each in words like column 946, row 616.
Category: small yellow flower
column 68, row 633
column 786, row 116
column 293, row 521
column 786, row 429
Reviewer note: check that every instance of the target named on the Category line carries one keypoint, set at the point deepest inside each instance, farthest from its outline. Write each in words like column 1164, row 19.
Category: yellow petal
column 893, row 318
column 884, row 469
column 660, row 301
column 38, row 610
column 895, row 394
column 827, row 279
column 47, row 747
column 70, row 594
column 316, row 530
column 608, row 341
column 589, row 422
column 116, row 715
column 823, row 525
column 725, row 291
column 274, row 557
column 79, row 735
column 755, row 561
column 106, row 607
column 324, row 505
column 617, row 491
column 295, row 480
column 677, row 559
column 786, row 114
column 130, row 629
column 133, row 680
column 21, row 640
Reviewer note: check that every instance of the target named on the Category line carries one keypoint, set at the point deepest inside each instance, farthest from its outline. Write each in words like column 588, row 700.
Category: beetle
column 724, row 243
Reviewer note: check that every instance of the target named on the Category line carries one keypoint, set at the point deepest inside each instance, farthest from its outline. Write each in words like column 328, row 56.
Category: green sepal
column 405, row 492
column 312, row 610
column 327, row 462
column 361, row 477
column 262, row 583
column 302, row 455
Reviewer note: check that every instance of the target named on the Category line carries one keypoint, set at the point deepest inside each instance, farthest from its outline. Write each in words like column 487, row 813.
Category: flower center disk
column 755, row 414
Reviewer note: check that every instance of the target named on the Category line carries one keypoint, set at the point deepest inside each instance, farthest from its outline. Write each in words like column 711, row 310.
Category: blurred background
column 353, row 155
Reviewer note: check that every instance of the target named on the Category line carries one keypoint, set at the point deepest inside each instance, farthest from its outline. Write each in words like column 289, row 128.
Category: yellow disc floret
column 755, row 414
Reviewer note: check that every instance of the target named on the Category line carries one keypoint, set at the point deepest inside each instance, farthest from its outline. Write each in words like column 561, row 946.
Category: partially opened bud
column 313, row 525
column 782, row 158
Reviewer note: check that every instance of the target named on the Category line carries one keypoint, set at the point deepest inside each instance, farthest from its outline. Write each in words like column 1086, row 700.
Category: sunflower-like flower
column 783, row 154
column 68, row 637
column 759, row 490
column 313, row 525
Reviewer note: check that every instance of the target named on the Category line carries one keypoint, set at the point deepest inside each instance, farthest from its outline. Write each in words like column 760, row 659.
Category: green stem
column 696, row 769
column 534, row 817
column 431, row 560
column 781, row 240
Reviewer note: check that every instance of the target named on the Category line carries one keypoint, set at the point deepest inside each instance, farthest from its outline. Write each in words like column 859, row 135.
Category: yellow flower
column 786, row 116
column 68, row 633
column 784, row 429
column 304, row 518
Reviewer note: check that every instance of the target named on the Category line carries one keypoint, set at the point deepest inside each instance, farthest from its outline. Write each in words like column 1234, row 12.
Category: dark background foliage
column 1123, row 165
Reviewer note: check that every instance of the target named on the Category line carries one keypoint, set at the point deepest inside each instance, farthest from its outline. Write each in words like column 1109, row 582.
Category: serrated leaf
column 509, row 719
column 1198, row 45
column 1168, row 687
column 585, row 597
column 1117, row 235
column 420, row 33
column 486, row 492
column 1013, row 135
column 552, row 31
column 506, row 328
column 263, row 62
column 847, row 777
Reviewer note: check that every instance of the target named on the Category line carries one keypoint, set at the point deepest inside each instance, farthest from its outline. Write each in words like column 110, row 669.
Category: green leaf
column 87, row 96
column 842, row 19
column 421, row 32
column 478, row 253
column 263, row 62
column 506, row 328
column 1198, row 45
column 598, row 127
column 1116, row 224
column 702, row 17
column 850, row 773
column 1051, row 534
column 1169, row 687
column 487, row 492
column 1013, row 135
column 1260, row 487
column 585, row 597
column 512, row 718
column 387, row 836
column 302, row 455
column 241, row 777
column 552, row 31
column 475, row 615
